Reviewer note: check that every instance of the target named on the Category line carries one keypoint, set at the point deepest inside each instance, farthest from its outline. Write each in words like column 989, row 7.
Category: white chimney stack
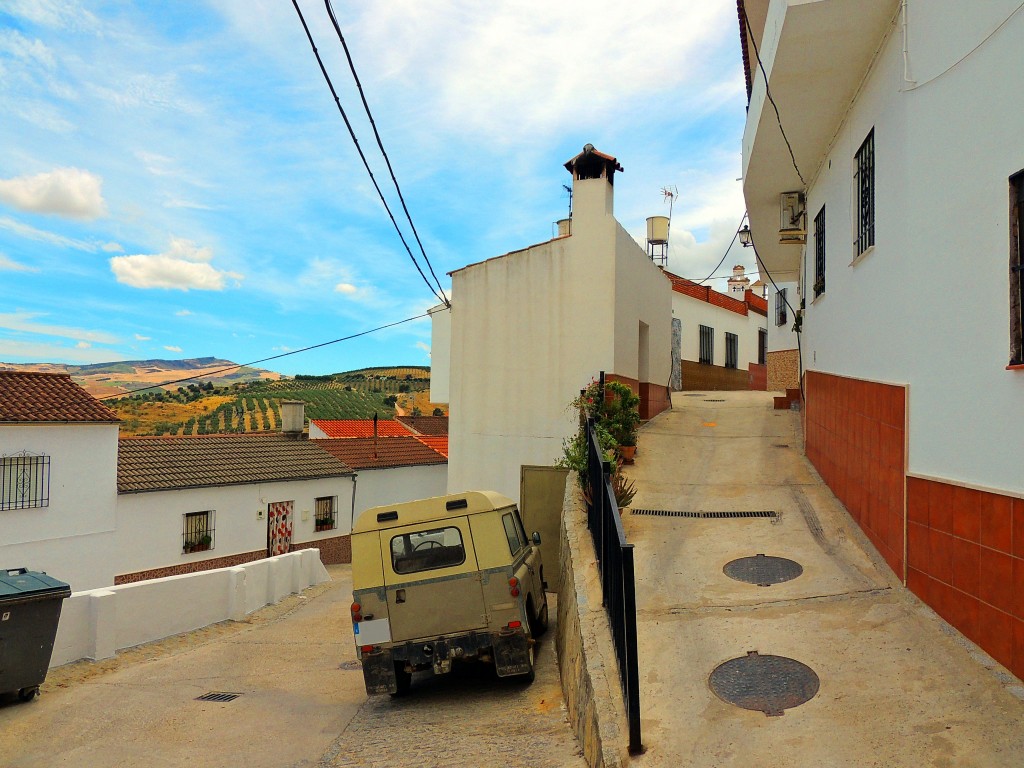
column 293, row 417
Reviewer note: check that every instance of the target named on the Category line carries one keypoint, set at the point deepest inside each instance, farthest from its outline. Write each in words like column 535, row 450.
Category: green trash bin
column 30, row 604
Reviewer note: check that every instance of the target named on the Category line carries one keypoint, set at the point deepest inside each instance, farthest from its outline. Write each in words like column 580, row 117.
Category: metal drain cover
column 743, row 514
column 763, row 570
column 714, row 401
column 694, row 394
column 769, row 684
column 218, row 696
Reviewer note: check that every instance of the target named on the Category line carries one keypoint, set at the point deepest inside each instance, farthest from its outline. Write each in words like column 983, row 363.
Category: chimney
column 593, row 180
column 293, row 418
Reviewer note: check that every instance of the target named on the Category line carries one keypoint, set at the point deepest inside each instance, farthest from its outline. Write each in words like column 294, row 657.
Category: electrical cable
column 768, row 93
column 724, row 255
column 380, row 145
column 265, row 359
column 362, row 156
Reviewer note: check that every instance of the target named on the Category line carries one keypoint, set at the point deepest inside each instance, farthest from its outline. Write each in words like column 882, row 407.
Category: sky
column 176, row 180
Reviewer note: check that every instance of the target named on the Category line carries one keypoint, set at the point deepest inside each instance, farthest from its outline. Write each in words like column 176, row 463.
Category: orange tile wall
column 965, row 556
column 855, row 437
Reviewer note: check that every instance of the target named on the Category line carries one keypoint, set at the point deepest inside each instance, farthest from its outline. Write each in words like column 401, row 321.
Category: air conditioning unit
column 792, row 218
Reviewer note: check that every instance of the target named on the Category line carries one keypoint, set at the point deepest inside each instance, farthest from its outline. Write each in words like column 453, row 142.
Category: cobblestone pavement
column 469, row 717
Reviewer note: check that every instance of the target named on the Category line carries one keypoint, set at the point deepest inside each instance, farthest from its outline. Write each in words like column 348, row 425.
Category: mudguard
column 511, row 653
column 379, row 672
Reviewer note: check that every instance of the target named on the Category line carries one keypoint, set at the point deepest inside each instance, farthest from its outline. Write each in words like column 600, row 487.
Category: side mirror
column 536, row 538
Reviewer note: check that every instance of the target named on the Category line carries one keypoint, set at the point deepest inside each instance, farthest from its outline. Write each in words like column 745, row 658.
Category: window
column 864, row 181
column 732, row 346
column 197, row 532
column 1017, row 269
column 512, row 534
column 707, row 345
column 780, row 307
column 24, row 481
column 819, row 253
column 762, row 346
column 427, row 550
column 325, row 516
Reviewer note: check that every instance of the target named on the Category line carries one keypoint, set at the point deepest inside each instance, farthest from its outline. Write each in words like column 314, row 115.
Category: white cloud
column 347, row 288
column 25, row 323
column 182, row 313
column 183, row 267
column 49, row 353
column 41, row 235
column 10, row 265
column 173, row 349
column 83, row 345
column 62, row 14
column 140, row 337
column 69, row 192
column 424, row 346
column 112, row 247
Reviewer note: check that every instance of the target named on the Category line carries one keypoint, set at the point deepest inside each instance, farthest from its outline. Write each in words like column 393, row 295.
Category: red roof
column 350, row 428
column 438, row 442
column 706, row 293
column 29, row 396
column 426, row 425
column 387, row 452
column 756, row 303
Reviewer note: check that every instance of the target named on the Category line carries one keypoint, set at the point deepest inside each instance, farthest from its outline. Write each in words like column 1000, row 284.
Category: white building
column 58, row 470
column 900, row 233
column 530, row 329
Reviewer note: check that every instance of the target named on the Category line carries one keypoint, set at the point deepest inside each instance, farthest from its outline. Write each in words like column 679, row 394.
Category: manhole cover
column 769, row 684
column 763, row 570
column 353, row 664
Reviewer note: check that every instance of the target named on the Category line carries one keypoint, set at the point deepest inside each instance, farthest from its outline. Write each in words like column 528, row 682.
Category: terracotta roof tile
column 426, row 425
column 361, row 428
column 438, row 442
column 166, row 463
column 359, row 452
column 706, row 293
column 28, row 396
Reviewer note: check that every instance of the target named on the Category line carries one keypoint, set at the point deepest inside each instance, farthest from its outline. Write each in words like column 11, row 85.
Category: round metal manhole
column 769, row 684
column 763, row 570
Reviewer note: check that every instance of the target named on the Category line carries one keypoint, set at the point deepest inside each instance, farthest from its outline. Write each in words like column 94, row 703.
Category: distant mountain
column 112, row 378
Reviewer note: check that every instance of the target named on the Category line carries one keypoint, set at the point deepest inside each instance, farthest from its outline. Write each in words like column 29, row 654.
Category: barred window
column 864, row 181
column 1017, row 269
column 24, row 481
column 707, row 345
column 780, row 307
column 325, row 514
column 819, row 253
column 732, row 347
column 197, row 531
column 762, row 346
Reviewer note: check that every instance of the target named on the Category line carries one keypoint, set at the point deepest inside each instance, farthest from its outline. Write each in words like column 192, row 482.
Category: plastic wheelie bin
column 30, row 604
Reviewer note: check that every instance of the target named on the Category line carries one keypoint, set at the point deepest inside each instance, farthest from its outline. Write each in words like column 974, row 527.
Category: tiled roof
column 438, row 442
column 426, row 425
column 166, row 463
column 361, row 428
column 361, row 453
column 27, row 396
column 756, row 303
column 706, row 293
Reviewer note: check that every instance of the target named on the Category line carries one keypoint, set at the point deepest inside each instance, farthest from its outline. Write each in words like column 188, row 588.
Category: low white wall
column 97, row 623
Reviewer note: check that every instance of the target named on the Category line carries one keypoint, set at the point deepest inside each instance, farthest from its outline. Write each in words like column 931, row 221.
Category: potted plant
column 622, row 413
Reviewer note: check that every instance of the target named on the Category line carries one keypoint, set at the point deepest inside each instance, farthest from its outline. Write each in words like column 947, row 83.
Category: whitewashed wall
column 782, row 337
column 149, row 525
column 72, row 538
column 695, row 313
column 440, row 352
column 376, row 487
column 96, row 623
column 928, row 305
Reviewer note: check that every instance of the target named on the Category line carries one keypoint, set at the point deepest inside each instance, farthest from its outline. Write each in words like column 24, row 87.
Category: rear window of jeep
column 427, row 550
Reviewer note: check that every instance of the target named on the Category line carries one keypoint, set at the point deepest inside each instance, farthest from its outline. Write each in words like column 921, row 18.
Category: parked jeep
column 443, row 579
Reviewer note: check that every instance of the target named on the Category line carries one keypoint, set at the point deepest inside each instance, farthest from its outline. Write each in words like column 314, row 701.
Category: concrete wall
column 586, row 655
column 95, row 624
column 375, row 487
column 440, row 353
column 149, row 525
column 72, row 538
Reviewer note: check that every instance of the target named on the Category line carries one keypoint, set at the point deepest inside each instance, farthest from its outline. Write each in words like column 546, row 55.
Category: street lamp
column 746, row 239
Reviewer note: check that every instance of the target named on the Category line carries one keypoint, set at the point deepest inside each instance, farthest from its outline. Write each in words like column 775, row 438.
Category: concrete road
column 898, row 687
column 301, row 703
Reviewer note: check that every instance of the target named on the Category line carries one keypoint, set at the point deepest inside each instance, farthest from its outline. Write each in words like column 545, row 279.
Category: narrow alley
column 897, row 686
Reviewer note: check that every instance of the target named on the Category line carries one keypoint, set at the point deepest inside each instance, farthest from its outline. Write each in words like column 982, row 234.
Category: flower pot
column 627, row 452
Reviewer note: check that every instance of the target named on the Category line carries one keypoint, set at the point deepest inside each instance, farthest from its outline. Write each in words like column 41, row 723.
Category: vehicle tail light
column 515, row 624
column 356, row 615
column 513, row 586
column 366, row 648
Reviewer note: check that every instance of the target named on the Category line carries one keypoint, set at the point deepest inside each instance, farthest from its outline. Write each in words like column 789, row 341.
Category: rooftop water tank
column 657, row 229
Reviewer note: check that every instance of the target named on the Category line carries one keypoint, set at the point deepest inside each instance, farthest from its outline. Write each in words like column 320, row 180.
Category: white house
column 896, row 222
column 531, row 328
column 58, row 469
column 723, row 338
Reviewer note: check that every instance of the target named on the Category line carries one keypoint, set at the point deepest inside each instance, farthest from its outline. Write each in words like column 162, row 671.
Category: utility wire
column 768, row 93
column 266, row 359
column 380, row 145
column 724, row 255
column 362, row 156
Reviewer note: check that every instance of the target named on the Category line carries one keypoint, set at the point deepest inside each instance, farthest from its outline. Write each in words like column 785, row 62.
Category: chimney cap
column 592, row 164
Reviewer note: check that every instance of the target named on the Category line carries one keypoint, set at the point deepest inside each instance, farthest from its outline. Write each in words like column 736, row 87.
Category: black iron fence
column 615, row 559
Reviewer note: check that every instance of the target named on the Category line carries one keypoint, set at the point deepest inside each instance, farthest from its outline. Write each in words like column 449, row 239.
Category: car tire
column 530, row 676
column 403, row 679
column 27, row 694
column 538, row 620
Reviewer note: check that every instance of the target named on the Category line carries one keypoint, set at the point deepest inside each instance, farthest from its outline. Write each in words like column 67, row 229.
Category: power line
column 266, row 359
column 380, row 145
column 362, row 156
column 729, row 248
column 768, row 93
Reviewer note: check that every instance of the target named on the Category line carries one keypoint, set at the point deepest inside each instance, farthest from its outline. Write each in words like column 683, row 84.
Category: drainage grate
column 706, row 515
column 218, row 696
column 714, row 401
column 763, row 570
column 769, row 684
column 694, row 394
column 780, row 445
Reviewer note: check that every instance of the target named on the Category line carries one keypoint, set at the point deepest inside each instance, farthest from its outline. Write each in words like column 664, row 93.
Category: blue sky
column 176, row 181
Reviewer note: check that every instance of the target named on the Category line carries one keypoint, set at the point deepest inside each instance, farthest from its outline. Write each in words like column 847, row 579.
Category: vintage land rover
column 443, row 579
